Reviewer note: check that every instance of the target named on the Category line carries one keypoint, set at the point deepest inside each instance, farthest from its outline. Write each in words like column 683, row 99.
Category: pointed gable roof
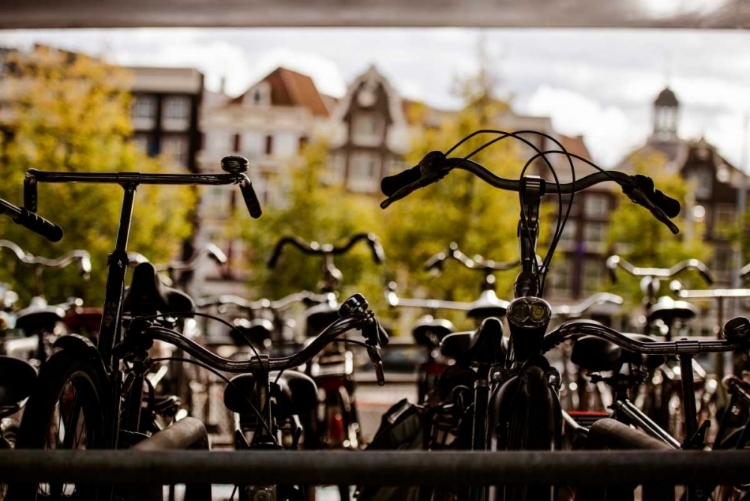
column 290, row 88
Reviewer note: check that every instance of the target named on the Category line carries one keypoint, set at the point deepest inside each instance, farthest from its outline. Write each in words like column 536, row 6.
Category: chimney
column 223, row 85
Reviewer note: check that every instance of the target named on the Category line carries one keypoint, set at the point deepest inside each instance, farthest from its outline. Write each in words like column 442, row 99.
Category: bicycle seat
column 295, row 393
column 596, row 354
column 17, row 377
column 484, row 345
column 429, row 331
column 148, row 295
column 668, row 310
column 488, row 305
column 257, row 331
column 38, row 317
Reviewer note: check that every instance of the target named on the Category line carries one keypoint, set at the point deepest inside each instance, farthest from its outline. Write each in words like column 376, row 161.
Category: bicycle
column 78, row 401
column 515, row 395
column 336, row 425
column 38, row 321
column 17, row 377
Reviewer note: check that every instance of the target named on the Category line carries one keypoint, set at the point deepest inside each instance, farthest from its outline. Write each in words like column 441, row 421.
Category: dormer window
column 260, row 95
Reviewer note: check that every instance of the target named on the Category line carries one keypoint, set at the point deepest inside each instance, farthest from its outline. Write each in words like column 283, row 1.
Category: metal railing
column 393, row 468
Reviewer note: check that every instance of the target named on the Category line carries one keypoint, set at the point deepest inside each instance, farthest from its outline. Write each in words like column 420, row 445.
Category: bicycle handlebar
column 81, row 256
column 435, row 166
column 679, row 347
column 262, row 304
column 394, row 301
column 316, row 249
column 475, row 263
column 210, row 250
column 234, row 168
column 574, row 311
column 31, row 221
column 614, row 261
column 353, row 316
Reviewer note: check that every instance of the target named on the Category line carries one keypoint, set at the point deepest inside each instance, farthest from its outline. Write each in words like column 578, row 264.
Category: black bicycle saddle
column 147, row 295
column 484, row 345
column 295, row 393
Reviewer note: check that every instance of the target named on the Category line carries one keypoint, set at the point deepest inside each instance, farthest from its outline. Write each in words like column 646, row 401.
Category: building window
column 560, row 277
column 724, row 218
column 595, row 233
column 703, row 180
column 216, row 201
column 363, row 174
column 252, row 144
column 569, row 233
column 144, row 107
column 177, row 108
column 723, row 259
column 143, row 143
column 593, row 275
column 367, row 129
column 258, row 96
column 595, row 205
column 176, row 147
column 220, row 141
column 269, row 144
column 286, row 144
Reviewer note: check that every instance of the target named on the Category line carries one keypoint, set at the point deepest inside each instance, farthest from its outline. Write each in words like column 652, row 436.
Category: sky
column 597, row 83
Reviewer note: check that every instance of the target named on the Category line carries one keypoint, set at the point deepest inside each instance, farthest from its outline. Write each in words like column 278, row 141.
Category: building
column 268, row 124
column 165, row 111
column 715, row 182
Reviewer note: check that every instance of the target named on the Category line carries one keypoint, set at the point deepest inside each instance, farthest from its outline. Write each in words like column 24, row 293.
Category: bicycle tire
column 65, row 369
column 527, row 416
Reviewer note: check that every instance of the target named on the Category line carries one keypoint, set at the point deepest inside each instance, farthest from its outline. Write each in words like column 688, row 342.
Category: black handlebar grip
column 669, row 205
column 30, row 196
column 251, row 199
column 38, row 224
column 391, row 184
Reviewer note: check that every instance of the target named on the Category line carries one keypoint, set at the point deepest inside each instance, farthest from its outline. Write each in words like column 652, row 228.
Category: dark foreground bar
column 375, row 468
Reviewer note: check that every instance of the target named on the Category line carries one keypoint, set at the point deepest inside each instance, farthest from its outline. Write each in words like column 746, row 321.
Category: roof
column 575, row 145
column 289, row 88
column 666, row 98
column 330, row 101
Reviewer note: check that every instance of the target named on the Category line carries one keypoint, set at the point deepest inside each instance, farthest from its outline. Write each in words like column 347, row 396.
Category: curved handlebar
column 679, row 347
column 82, row 257
column 575, row 311
column 689, row 264
column 475, row 263
column 395, row 301
column 316, row 249
column 435, row 166
column 262, row 304
column 31, row 221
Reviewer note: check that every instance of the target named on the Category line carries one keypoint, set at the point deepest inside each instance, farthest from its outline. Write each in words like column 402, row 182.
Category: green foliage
column 642, row 240
column 316, row 212
column 71, row 113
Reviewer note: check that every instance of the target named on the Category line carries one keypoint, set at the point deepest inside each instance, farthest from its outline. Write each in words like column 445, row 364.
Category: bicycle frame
column 110, row 331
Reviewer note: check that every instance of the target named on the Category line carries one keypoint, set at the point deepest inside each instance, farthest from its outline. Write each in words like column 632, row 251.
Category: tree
column 644, row 241
column 70, row 112
column 319, row 212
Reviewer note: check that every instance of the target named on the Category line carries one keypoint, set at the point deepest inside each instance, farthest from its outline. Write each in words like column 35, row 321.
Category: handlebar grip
column 251, row 198
column 30, row 195
column 391, row 184
column 669, row 205
column 39, row 225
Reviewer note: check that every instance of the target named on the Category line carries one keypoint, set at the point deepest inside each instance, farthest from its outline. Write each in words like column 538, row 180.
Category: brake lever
column 374, row 352
column 637, row 196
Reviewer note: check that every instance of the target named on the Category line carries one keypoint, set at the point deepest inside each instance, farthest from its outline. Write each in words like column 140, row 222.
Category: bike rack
column 393, row 468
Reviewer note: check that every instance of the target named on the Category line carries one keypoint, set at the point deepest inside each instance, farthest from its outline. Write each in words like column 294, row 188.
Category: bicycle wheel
column 65, row 411
column 526, row 416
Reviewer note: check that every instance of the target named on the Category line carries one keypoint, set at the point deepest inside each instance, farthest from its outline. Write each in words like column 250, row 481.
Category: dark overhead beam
column 706, row 14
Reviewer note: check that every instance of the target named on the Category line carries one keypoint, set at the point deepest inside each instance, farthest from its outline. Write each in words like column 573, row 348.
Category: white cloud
column 607, row 130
